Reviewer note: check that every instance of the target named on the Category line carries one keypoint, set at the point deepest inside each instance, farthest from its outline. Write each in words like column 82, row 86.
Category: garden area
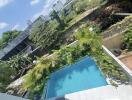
column 45, row 35
column 87, row 43
column 77, row 9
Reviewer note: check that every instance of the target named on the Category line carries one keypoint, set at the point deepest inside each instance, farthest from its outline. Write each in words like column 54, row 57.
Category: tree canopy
column 43, row 34
column 54, row 15
column 7, row 37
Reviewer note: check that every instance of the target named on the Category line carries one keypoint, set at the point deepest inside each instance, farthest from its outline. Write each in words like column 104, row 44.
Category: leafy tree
column 70, row 16
column 89, row 40
column 54, row 25
column 43, row 34
column 19, row 62
column 54, row 15
column 7, row 37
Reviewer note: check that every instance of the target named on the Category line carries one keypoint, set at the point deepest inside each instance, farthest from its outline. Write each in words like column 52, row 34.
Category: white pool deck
column 122, row 92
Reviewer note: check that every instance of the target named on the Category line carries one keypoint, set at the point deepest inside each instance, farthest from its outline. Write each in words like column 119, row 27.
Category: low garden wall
column 113, row 42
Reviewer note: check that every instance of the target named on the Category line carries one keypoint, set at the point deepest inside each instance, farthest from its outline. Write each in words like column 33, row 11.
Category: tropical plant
column 128, row 39
column 110, row 68
column 89, row 40
column 11, row 68
column 19, row 62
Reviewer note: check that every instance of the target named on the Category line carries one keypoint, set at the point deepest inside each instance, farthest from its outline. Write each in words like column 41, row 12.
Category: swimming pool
column 80, row 76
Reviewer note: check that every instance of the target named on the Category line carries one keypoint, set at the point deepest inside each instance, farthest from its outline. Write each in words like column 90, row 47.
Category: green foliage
column 19, row 62
column 54, row 25
column 44, row 34
column 128, row 39
column 96, row 28
column 7, row 37
column 89, row 39
column 36, row 76
column 54, row 15
column 92, row 43
column 9, row 69
column 110, row 68
column 88, row 43
column 6, row 75
column 80, row 6
column 70, row 16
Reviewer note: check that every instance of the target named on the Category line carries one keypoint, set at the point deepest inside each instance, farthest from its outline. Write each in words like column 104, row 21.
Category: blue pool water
column 80, row 76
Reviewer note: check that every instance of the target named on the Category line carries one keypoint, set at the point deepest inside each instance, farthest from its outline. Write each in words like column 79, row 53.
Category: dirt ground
column 127, row 61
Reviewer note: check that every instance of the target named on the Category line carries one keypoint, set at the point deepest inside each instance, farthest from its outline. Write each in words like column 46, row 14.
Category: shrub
column 6, row 75
column 128, row 39
column 10, row 69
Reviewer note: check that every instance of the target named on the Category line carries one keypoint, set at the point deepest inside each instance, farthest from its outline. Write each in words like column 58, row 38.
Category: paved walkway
column 122, row 92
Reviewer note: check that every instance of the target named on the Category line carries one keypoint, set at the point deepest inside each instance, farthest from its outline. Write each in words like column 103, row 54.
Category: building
column 67, row 6
column 58, row 6
column 21, row 44
column 62, row 5
column 68, row 1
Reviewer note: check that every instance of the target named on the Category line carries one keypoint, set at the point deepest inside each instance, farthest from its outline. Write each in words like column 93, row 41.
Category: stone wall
column 114, row 41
